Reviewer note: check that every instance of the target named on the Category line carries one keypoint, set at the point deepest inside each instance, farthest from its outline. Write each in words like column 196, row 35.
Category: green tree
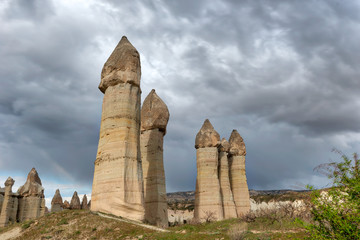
column 336, row 212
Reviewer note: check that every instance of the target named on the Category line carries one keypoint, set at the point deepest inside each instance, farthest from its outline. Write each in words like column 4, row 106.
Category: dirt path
column 13, row 233
column 133, row 222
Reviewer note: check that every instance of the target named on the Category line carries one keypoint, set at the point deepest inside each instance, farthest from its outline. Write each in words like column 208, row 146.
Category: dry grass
column 82, row 224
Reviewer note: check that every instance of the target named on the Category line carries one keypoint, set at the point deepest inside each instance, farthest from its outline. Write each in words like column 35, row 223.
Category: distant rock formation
column 31, row 198
column 7, row 210
column 84, row 203
column 208, row 203
column 75, row 201
column 226, row 193
column 238, row 180
column 118, row 181
column 66, row 204
column 154, row 118
column 57, row 202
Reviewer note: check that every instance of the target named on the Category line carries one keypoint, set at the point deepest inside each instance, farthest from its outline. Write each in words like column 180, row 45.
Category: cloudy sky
column 285, row 74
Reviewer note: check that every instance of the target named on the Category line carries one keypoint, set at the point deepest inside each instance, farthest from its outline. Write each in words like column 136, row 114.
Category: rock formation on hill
column 75, row 201
column 57, row 202
column 238, row 180
column 154, row 119
column 66, row 204
column 226, row 193
column 118, row 181
column 7, row 209
column 84, row 203
column 208, row 201
column 31, row 198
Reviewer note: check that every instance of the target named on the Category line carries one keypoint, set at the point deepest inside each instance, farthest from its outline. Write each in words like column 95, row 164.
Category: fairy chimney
column 75, row 201
column 31, row 198
column 225, row 190
column 207, row 194
column 154, row 119
column 57, row 202
column 118, row 182
column 84, row 203
column 238, row 180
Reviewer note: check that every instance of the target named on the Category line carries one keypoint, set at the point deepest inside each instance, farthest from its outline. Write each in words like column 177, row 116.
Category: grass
column 87, row 225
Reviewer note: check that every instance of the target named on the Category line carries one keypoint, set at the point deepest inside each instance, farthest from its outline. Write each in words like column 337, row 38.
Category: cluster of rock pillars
column 129, row 177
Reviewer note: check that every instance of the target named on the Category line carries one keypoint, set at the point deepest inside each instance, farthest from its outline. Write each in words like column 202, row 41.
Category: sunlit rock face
column 154, row 118
column 208, row 201
column 118, row 181
column 238, row 180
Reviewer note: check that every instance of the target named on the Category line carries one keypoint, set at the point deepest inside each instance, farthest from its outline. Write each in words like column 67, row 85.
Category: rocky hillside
column 82, row 224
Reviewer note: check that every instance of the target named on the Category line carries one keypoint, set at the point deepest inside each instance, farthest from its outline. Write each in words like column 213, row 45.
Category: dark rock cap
column 123, row 66
column 84, row 203
column 32, row 186
column 237, row 145
column 9, row 182
column 57, row 199
column 224, row 145
column 75, row 201
column 66, row 204
column 207, row 136
column 154, row 113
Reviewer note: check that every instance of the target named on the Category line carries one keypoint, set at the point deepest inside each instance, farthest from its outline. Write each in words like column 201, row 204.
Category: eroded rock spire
column 118, row 181
column 32, row 200
column 207, row 194
column 238, row 180
column 154, row 118
column 225, row 189
column 57, row 202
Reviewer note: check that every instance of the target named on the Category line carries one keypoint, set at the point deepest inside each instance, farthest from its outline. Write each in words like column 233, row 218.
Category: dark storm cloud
column 284, row 73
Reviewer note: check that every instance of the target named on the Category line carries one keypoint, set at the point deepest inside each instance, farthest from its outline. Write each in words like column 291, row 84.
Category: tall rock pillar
column 238, row 181
column 226, row 193
column 118, row 182
column 208, row 204
column 32, row 200
column 7, row 203
column 154, row 118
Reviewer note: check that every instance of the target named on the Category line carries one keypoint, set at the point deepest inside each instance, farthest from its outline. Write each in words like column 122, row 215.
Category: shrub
column 336, row 212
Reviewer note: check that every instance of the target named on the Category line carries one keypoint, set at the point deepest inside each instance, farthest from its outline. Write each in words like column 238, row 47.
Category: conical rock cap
column 224, row 145
column 237, row 145
column 57, row 199
column 154, row 113
column 32, row 186
column 123, row 66
column 75, row 201
column 207, row 136
column 84, row 203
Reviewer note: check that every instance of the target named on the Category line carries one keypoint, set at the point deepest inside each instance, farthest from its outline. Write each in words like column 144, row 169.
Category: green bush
column 336, row 212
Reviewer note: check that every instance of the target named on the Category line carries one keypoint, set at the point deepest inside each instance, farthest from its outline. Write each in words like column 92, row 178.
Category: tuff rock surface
column 57, row 202
column 154, row 118
column 75, row 201
column 225, row 189
column 118, row 181
column 208, row 202
column 238, row 180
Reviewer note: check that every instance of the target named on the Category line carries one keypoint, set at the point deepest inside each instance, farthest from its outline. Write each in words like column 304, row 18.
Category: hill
column 83, row 224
